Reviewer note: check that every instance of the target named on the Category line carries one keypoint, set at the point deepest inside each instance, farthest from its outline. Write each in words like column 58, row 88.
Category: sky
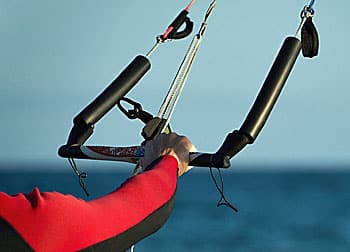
column 57, row 56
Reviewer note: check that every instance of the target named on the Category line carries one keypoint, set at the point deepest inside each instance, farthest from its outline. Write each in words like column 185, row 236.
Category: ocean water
column 278, row 211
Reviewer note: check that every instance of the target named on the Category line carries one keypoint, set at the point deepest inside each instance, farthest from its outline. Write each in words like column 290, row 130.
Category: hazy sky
column 56, row 56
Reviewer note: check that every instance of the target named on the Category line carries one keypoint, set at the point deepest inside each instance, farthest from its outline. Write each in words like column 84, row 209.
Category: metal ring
column 307, row 12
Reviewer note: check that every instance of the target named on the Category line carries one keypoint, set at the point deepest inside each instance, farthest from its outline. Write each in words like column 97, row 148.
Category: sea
column 282, row 209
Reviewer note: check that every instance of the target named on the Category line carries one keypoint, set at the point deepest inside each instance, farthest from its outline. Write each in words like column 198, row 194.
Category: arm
column 71, row 224
column 57, row 222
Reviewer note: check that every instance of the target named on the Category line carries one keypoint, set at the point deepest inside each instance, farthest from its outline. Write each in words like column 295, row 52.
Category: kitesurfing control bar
column 234, row 141
column 84, row 121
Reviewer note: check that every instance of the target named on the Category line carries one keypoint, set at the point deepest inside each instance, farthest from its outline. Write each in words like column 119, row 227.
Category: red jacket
column 51, row 221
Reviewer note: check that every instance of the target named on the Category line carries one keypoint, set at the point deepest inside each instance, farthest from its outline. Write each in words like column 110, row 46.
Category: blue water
column 290, row 211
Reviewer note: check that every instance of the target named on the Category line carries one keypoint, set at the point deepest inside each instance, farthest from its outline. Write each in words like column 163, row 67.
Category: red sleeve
column 51, row 221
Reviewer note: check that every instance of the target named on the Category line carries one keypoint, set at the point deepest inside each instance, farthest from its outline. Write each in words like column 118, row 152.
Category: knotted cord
column 222, row 201
column 81, row 175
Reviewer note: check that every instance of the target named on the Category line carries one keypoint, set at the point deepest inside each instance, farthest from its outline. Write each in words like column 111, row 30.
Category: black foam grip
column 271, row 88
column 116, row 90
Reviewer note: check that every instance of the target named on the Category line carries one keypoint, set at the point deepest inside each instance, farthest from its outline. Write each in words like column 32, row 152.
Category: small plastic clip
column 136, row 112
column 172, row 31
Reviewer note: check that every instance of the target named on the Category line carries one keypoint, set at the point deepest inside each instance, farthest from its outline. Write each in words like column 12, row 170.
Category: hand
column 169, row 144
